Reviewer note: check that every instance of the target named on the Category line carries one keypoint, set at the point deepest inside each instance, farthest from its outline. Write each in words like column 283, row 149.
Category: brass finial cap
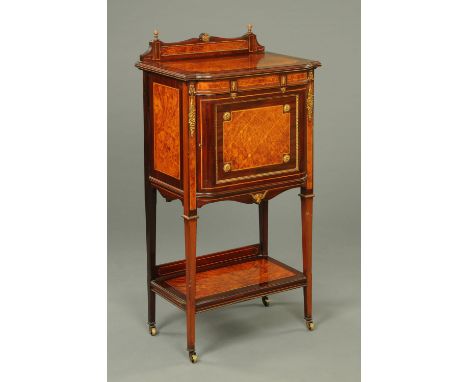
column 156, row 35
column 249, row 28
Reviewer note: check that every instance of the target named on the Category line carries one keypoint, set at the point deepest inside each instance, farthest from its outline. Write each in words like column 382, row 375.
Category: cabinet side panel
column 166, row 130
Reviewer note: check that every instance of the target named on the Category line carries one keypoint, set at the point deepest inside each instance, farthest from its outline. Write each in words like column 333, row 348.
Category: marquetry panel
column 258, row 82
column 256, row 137
column 225, row 279
column 166, row 119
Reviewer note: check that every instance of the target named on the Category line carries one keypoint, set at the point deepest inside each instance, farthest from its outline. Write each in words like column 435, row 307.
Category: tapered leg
column 150, row 209
column 263, row 230
column 190, row 227
column 263, row 226
column 306, row 215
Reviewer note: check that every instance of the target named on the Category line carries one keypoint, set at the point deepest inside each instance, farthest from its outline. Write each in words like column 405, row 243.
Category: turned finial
column 249, row 28
column 155, row 35
column 205, row 37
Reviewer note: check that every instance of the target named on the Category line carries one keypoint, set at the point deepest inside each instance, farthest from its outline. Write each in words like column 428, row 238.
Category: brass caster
column 310, row 325
column 193, row 356
column 265, row 301
column 153, row 330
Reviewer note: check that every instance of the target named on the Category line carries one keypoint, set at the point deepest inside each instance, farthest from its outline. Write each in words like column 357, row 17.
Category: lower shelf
column 227, row 277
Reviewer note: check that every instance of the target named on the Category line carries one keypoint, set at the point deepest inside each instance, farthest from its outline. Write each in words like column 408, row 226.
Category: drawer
column 250, row 139
column 278, row 81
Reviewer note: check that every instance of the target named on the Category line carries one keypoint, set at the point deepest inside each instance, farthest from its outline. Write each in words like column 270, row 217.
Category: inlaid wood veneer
column 237, row 65
column 166, row 130
column 201, row 47
column 256, row 137
column 251, row 83
column 213, row 86
column 256, row 82
column 235, row 276
column 297, row 78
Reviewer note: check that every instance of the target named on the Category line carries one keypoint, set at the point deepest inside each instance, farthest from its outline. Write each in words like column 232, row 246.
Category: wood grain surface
column 213, row 86
column 256, row 137
column 258, row 82
column 200, row 47
column 232, row 277
column 294, row 78
column 228, row 66
column 166, row 130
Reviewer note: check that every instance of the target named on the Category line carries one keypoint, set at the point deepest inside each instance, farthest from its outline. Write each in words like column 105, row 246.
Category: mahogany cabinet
column 225, row 120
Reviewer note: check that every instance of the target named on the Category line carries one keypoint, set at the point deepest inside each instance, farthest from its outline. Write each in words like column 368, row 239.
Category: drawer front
column 278, row 81
column 251, row 138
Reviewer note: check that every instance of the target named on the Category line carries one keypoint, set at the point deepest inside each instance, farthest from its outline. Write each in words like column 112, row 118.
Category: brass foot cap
column 193, row 356
column 153, row 330
column 310, row 325
column 266, row 301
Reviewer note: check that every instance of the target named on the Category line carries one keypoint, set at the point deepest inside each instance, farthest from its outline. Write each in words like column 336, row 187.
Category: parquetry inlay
column 256, row 137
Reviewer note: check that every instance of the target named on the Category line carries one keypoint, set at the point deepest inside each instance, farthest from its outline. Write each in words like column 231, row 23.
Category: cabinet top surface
column 215, row 67
column 208, row 57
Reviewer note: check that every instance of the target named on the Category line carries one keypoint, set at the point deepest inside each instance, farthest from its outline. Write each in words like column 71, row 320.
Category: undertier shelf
column 227, row 277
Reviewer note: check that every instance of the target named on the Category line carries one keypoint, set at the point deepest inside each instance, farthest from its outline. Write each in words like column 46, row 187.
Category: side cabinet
column 225, row 120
